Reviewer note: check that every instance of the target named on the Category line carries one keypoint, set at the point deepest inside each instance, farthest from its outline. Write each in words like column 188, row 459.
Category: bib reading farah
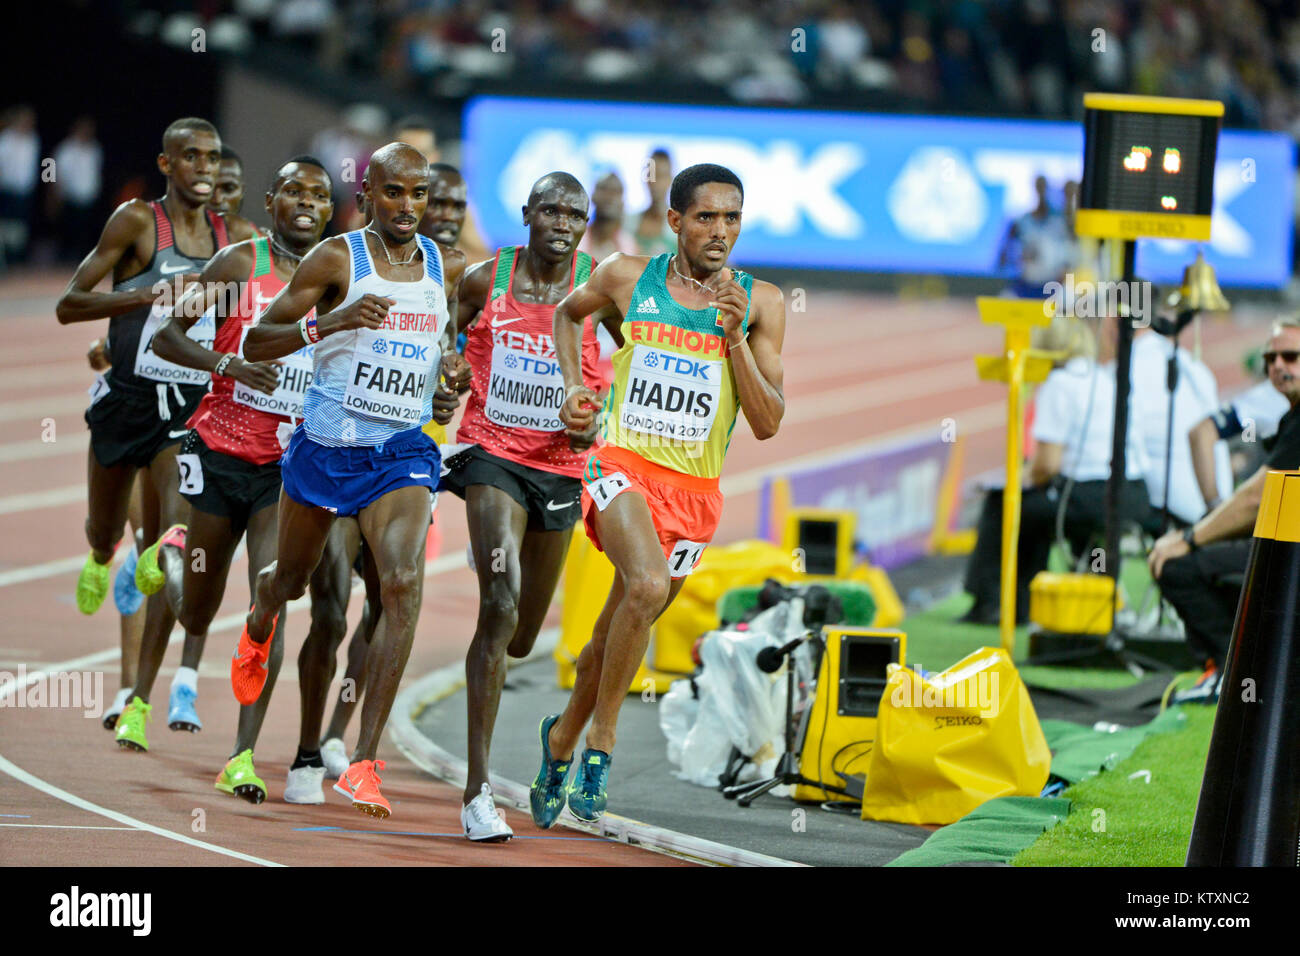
column 370, row 384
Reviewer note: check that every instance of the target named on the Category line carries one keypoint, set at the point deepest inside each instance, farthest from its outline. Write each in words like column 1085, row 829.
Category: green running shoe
column 92, row 585
column 546, row 795
column 237, row 778
column 130, row 725
column 149, row 578
column 587, row 792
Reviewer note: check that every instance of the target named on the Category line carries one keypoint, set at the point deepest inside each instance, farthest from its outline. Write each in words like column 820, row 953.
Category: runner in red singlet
column 519, row 477
column 230, row 462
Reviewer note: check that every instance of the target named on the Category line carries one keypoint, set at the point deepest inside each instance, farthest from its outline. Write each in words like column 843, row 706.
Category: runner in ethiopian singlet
column 673, row 400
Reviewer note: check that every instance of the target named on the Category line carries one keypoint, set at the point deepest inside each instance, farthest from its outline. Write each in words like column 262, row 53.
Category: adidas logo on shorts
column 648, row 307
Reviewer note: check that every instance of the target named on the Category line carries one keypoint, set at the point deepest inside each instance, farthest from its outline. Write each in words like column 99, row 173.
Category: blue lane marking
column 20, row 816
column 429, row 834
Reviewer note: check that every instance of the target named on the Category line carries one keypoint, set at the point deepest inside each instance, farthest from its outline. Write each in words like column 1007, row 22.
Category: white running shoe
column 304, row 785
column 335, row 756
column 481, row 820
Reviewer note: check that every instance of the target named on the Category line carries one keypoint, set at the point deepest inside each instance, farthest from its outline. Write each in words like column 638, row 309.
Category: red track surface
column 857, row 368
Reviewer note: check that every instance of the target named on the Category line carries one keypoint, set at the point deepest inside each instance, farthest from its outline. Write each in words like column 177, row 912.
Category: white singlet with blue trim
column 370, row 384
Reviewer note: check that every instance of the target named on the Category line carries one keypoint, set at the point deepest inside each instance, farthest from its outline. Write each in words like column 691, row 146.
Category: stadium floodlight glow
column 1123, row 194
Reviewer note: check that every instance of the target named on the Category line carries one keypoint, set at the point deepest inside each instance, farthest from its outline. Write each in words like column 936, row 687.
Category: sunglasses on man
column 1287, row 356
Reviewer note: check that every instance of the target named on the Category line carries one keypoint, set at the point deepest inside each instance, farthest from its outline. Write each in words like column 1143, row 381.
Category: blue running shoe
column 546, row 795
column 587, row 792
column 181, row 714
column 126, row 595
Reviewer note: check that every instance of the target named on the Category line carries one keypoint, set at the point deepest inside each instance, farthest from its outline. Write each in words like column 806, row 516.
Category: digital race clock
column 1148, row 166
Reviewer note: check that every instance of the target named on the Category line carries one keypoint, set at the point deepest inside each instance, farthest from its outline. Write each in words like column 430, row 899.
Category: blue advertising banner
column 865, row 192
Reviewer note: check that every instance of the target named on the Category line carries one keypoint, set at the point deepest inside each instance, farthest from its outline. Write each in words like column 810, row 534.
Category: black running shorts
column 551, row 500
column 225, row 486
column 128, row 425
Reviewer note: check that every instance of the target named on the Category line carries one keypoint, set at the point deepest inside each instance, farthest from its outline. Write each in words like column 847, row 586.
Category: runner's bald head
column 393, row 161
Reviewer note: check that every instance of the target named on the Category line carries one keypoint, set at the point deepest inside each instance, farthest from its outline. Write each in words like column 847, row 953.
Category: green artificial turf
column 1140, row 823
column 935, row 641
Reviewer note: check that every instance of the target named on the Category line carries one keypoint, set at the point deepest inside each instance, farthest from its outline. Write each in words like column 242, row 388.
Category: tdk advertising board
column 873, row 193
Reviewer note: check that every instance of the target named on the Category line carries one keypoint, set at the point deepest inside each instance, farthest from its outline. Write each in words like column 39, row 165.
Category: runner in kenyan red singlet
column 230, row 461
column 519, row 477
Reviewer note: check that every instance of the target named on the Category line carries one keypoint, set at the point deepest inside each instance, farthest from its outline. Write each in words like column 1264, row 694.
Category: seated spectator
column 1200, row 474
column 1074, row 413
column 1198, row 569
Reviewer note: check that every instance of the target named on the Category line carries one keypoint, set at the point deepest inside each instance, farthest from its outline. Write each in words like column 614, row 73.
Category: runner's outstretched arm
column 321, row 283
column 597, row 293
column 220, row 288
column 79, row 302
column 756, row 357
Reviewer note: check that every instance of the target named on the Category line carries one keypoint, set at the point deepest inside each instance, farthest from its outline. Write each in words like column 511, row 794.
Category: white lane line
column 36, row 449
column 35, row 410
column 55, row 826
column 37, row 571
column 50, row 569
column 18, row 773
column 973, row 421
column 33, row 500
column 439, row 565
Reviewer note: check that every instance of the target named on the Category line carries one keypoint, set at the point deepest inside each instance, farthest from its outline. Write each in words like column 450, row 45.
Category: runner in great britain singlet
column 370, row 385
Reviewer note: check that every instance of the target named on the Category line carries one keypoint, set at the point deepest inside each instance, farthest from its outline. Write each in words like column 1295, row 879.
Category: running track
column 858, row 368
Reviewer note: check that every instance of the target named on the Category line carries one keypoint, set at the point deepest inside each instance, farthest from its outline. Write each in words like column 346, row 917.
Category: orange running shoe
column 248, row 666
column 360, row 784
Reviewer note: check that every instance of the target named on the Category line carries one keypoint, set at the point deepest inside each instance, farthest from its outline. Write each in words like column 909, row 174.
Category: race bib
column 191, row 474
column 684, row 557
column 149, row 365
column 283, row 432
column 604, row 490
column 390, row 373
column 524, row 391
column 295, row 375
column 98, row 389
column 670, row 395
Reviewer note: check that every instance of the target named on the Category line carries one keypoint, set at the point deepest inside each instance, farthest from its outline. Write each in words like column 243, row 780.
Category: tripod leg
column 758, row 791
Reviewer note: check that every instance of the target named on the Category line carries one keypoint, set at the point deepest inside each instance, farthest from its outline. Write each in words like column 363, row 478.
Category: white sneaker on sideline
column 335, row 756
column 481, row 820
column 304, row 785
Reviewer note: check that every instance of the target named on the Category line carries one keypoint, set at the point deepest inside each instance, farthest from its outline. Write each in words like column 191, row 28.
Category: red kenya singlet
column 516, row 391
column 233, row 419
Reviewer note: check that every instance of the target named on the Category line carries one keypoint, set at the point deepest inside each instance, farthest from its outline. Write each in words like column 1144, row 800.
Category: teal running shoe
column 546, row 795
column 587, row 792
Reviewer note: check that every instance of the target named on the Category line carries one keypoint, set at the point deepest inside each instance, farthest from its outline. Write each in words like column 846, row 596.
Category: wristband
column 224, row 363
column 302, row 330
column 309, row 328
column 1189, row 536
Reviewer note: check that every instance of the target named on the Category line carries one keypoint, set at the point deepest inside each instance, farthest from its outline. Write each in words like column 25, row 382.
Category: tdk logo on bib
column 533, row 366
column 678, row 365
column 402, row 350
column 670, row 395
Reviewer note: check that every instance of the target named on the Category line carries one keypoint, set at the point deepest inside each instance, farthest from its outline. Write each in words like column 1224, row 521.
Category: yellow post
column 1017, row 365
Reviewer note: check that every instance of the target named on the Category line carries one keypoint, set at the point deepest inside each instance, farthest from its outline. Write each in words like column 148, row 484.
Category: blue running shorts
column 345, row 480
